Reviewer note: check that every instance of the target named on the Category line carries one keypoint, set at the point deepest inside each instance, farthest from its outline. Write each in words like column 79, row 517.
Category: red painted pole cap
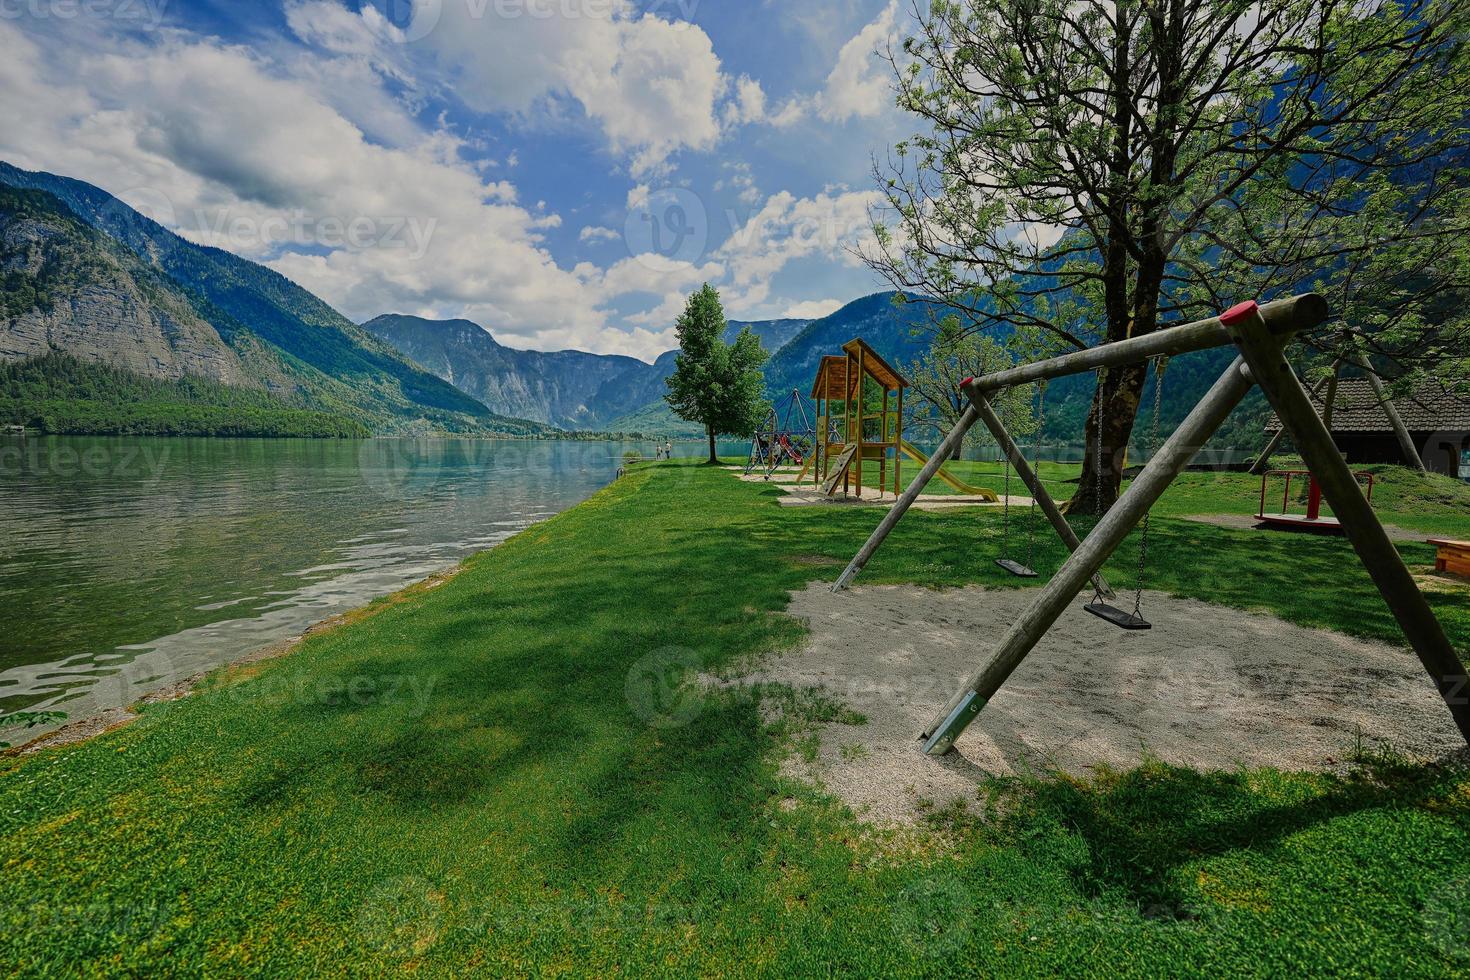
column 1239, row 312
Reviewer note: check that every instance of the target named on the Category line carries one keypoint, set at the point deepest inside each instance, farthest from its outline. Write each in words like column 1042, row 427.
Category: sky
column 562, row 172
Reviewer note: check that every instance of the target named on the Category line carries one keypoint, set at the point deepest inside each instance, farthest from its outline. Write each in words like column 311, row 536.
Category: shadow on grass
column 1143, row 827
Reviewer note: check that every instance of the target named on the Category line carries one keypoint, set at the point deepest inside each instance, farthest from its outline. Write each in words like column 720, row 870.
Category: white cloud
column 651, row 273
column 813, row 309
column 594, row 234
column 791, row 112
column 653, row 86
column 369, row 228
column 748, row 105
column 833, row 226
column 285, row 155
column 859, row 85
column 743, row 181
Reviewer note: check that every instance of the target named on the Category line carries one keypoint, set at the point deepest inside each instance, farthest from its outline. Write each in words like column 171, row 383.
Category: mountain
column 773, row 334
column 895, row 331
column 898, row 332
column 87, row 275
column 570, row 389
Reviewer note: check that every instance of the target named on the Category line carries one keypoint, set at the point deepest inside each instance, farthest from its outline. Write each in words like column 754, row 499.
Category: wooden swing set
column 1260, row 334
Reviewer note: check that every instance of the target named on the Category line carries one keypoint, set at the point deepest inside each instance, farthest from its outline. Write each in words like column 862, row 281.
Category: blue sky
column 561, row 171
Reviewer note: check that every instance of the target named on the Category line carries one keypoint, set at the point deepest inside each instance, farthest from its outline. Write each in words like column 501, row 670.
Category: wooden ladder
column 840, row 470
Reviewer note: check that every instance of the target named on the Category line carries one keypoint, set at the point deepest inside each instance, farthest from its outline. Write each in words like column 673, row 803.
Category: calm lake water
column 127, row 564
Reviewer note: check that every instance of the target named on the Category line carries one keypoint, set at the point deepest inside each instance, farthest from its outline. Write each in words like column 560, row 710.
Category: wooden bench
column 1452, row 557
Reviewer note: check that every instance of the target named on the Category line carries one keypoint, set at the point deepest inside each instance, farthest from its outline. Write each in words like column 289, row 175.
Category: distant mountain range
column 572, row 389
column 568, row 389
column 84, row 274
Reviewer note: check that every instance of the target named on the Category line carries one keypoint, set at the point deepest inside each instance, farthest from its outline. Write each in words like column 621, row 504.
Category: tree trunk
column 713, row 459
column 1121, row 393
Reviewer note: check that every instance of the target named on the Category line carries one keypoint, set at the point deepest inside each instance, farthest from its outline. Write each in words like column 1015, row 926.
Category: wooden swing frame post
column 1201, row 335
column 1260, row 334
column 979, row 410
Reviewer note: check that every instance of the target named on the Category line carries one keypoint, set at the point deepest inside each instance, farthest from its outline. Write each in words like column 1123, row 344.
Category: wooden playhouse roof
column 832, row 372
column 1357, row 410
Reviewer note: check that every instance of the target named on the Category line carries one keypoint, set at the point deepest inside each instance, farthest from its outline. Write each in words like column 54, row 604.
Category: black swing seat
column 1116, row 616
column 1015, row 568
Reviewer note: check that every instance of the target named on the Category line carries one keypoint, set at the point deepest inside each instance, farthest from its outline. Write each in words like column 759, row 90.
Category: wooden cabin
column 859, row 399
column 1438, row 422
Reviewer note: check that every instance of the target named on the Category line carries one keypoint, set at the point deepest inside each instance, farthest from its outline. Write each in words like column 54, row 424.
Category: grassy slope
column 529, row 821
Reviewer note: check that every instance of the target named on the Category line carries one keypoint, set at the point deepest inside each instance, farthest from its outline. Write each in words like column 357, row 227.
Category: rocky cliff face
column 100, row 304
column 570, row 389
column 83, row 273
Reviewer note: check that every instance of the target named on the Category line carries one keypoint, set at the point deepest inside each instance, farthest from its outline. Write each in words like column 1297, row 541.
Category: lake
column 127, row 564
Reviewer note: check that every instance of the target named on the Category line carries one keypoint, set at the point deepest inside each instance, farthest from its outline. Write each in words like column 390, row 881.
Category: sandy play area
column 1208, row 687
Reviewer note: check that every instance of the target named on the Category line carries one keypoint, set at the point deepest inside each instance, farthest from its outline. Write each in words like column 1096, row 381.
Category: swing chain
column 1005, row 541
column 1097, row 465
column 1160, row 366
column 1031, row 515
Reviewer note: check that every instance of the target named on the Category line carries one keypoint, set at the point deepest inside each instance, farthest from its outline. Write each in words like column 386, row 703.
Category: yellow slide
column 959, row 486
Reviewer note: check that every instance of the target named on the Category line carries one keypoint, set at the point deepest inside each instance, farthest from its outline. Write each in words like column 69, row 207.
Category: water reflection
column 127, row 564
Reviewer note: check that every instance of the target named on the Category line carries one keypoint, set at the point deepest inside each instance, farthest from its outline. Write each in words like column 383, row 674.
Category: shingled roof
column 1357, row 409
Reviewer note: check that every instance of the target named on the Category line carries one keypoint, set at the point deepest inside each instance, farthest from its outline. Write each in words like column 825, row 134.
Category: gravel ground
column 1208, row 687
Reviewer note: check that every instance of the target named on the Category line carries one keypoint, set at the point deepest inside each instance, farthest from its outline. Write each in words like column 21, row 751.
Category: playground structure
column 1313, row 519
column 849, row 433
column 1260, row 334
column 843, row 447
column 787, row 435
column 954, row 483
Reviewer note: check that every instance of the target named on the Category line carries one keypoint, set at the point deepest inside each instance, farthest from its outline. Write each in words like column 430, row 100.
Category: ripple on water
column 117, row 584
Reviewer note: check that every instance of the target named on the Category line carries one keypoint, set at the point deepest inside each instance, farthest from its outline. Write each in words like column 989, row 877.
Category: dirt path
column 1208, row 687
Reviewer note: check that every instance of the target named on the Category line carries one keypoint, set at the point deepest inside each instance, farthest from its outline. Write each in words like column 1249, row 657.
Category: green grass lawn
column 477, row 778
column 1435, row 505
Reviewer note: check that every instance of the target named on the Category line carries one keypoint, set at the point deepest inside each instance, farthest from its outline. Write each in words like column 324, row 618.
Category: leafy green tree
column 955, row 354
column 1097, row 168
column 715, row 384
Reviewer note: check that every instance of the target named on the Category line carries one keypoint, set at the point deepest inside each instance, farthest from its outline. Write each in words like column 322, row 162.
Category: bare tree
column 1094, row 168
